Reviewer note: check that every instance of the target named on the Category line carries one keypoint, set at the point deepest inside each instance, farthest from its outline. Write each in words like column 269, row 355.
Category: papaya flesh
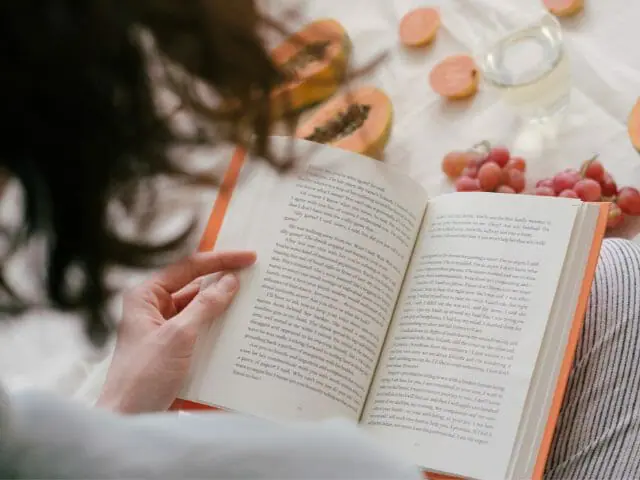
column 358, row 121
column 313, row 61
column 564, row 8
column 633, row 125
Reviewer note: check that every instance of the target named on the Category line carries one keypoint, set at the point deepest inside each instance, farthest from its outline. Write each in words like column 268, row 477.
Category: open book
column 444, row 326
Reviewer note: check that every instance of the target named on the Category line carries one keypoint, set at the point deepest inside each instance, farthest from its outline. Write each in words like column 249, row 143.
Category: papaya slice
column 314, row 62
column 358, row 121
column 419, row 27
column 634, row 125
column 564, row 8
column 455, row 77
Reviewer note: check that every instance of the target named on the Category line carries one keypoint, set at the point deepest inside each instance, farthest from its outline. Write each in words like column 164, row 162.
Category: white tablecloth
column 603, row 47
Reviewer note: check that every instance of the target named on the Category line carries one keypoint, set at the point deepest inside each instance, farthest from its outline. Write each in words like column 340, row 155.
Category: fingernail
column 228, row 283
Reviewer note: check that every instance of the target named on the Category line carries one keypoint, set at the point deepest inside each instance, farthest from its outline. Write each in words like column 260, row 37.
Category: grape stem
column 483, row 145
column 586, row 164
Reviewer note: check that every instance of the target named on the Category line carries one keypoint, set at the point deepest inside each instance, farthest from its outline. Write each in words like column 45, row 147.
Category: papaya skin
column 319, row 81
column 564, row 8
column 376, row 150
column 633, row 126
column 371, row 137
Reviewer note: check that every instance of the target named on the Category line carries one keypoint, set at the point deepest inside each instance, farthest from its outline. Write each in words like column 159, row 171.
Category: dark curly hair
column 82, row 127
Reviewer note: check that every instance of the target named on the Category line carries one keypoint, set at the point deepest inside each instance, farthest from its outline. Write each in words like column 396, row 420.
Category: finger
column 183, row 296
column 176, row 276
column 209, row 303
column 211, row 279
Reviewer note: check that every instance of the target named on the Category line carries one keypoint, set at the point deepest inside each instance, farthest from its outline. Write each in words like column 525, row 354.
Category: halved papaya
column 358, row 121
column 455, row 77
column 634, row 125
column 314, row 61
column 419, row 27
column 564, row 8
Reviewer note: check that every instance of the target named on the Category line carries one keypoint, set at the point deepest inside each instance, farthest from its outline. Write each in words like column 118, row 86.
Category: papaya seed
column 344, row 123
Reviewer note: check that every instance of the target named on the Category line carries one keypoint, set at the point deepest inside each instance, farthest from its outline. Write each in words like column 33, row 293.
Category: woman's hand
column 160, row 323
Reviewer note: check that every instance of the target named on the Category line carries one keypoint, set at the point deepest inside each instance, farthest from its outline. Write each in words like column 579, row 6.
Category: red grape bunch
column 592, row 183
column 493, row 170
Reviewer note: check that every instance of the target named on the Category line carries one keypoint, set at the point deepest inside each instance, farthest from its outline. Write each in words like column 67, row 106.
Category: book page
column 462, row 348
column 304, row 334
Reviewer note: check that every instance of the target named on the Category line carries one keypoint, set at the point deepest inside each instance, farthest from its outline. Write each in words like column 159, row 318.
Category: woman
column 83, row 135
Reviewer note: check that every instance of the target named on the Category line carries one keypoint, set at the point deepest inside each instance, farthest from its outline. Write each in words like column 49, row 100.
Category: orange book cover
column 214, row 225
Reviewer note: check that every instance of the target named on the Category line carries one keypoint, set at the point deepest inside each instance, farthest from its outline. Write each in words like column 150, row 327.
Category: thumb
column 210, row 302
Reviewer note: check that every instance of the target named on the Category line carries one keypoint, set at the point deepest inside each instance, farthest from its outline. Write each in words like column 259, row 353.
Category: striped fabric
column 598, row 432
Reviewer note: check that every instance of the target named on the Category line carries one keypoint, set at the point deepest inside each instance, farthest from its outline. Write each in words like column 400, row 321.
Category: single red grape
column 609, row 187
column 588, row 190
column 505, row 189
column 500, row 155
column 629, row 200
column 568, row 194
column 467, row 184
column 515, row 179
column 616, row 217
column 489, row 176
column 545, row 182
column 565, row 180
column 593, row 169
column 544, row 191
column 518, row 163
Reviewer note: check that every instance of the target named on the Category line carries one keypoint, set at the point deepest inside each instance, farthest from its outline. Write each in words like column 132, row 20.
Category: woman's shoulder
column 5, row 414
column 5, row 432
column 62, row 438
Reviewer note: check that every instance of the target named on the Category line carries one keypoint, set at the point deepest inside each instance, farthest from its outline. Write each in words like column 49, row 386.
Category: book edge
column 572, row 343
